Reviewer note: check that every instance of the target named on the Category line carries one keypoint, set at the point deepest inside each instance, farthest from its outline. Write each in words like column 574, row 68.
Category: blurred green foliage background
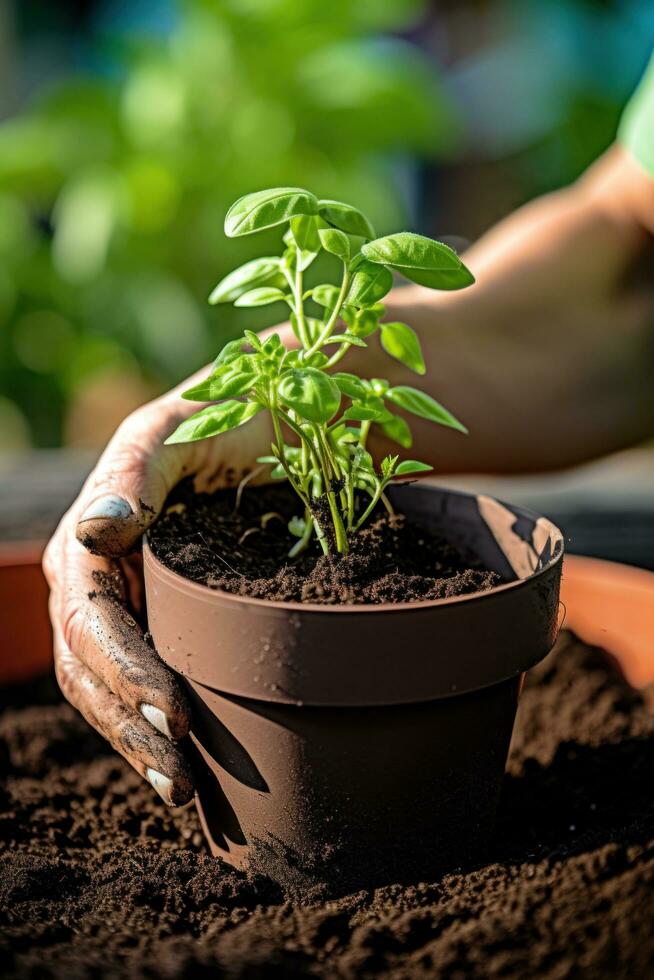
column 130, row 127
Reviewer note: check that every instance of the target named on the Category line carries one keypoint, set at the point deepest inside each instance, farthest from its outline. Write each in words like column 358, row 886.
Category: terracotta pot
column 349, row 746
column 612, row 606
column 25, row 634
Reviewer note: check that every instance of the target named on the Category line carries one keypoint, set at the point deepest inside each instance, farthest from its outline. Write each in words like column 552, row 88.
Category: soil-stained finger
column 104, row 636
column 88, row 605
column 126, row 490
column 153, row 756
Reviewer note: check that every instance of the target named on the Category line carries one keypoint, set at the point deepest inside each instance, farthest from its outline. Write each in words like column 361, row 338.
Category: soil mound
column 98, row 879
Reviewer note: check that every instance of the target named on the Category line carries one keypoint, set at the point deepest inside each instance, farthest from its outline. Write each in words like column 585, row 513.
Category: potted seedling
column 353, row 648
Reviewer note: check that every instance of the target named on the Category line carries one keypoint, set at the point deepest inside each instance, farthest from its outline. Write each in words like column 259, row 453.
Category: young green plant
column 329, row 413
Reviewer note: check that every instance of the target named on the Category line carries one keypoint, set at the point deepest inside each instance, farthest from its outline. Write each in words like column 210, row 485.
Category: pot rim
column 208, row 594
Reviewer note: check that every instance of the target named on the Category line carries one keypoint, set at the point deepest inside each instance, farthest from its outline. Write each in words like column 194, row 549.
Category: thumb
column 127, row 489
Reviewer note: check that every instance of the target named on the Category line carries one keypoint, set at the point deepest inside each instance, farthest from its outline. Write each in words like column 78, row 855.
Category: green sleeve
column 636, row 132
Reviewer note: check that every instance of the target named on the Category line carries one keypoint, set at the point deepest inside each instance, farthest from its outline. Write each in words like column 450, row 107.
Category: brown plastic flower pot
column 349, row 746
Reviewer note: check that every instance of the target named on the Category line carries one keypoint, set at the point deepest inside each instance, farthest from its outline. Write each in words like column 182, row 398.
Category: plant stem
column 333, row 461
column 330, row 470
column 363, row 433
column 282, row 457
column 338, row 356
column 321, row 467
column 299, row 308
column 350, row 501
column 387, row 504
column 303, row 542
column 371, row 506
column 304, row 442
column 331, row 323
column 342, row 545
column 316, row 493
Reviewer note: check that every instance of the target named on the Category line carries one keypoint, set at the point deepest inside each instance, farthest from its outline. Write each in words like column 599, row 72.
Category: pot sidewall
column 347, row 747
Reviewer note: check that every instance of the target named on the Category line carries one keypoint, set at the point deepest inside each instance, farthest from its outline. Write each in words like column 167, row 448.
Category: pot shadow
column 225, row 751
column 222, row 745
column 222, row 823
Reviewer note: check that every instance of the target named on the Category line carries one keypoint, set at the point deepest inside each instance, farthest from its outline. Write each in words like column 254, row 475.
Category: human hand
column 104, row 665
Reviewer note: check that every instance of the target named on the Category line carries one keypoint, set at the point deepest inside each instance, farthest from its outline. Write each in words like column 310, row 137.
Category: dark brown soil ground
column 245, row 551
column 98, row 879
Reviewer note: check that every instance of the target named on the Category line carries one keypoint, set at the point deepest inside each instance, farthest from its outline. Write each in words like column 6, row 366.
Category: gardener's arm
column 548, row 359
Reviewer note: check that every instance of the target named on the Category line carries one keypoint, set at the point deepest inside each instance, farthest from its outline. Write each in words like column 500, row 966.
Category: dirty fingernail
column 162, row 784
column 156, row 717
column 110, row 506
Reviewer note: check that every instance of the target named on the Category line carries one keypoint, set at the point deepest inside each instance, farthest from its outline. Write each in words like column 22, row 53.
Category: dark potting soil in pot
column 244, row 550
column 98, row 879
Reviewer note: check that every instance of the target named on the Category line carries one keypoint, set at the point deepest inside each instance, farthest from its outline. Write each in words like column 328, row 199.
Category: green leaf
column 349, row 384
column 273, row 344
column 372, row 401
column 214, row 420
column 265, row 209
column 411, row 251
column 304, row 229
column 272, row 460
column 288, row 258
column 335, row 242
column 348, row 434
column 398, row 430
column 231, row 350
column 232, row 379
column 408, row 466
column 261, row 297
column 311, row 393
column 423, row 405
column 347, row 218
column 317, row 359
column 297, row 526
column 379, row 385
column 346, row 338
column 362, row 413
column 349, row 314
column 216, row 389
column 365, row 323
column 422, row 260
column 440, row 278
column 370, row 283
column 253, row 340
column 363, row 460
column 325, row 295
column 401, row 342
column 388, row 465
column 259, row 272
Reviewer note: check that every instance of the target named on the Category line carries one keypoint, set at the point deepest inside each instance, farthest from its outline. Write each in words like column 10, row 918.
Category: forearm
column 534, row 396
column 548, row 357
